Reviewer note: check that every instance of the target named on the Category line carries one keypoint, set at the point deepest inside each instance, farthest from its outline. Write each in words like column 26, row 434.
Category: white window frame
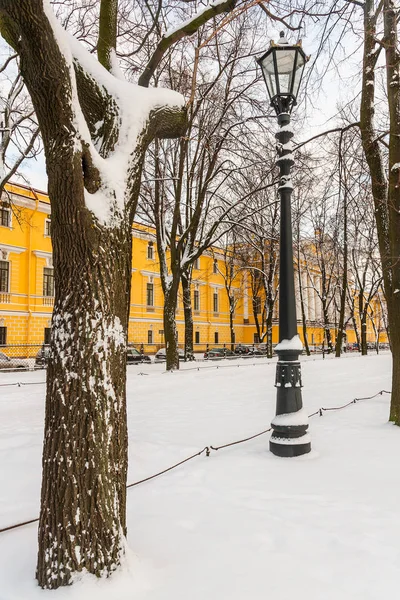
column 196, row 294
column 47, row 221
column 215, row 267
column 150, row 282
column 49, row 268
column 215, row 301
column 3, row 206
column 150, row 251
column 9, row 276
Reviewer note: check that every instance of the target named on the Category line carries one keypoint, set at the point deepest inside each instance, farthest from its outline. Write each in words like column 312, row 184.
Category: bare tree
column 95, row 130
column 384, row 161
column 18, row 126
column 188, row 190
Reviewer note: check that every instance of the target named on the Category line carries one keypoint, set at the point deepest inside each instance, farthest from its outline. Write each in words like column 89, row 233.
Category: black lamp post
column 282, row 67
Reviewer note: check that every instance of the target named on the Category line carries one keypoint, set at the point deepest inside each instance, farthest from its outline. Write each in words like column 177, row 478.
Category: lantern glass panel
column 298, row 74
column 285, row 60
column 269, row 74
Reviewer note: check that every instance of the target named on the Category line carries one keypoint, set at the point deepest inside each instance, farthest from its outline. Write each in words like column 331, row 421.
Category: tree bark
column 170, row 331
column 386, row 196
column 82, row 519
column 392, row 52
column 186, row 281
column 82, row 523
column 269, row 331
column 341, row 324
column 303, row 312
column 327, row 327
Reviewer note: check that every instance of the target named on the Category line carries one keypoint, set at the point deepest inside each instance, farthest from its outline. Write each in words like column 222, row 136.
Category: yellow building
column 27, row 285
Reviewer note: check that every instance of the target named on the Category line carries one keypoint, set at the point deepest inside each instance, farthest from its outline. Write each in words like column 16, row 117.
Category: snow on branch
column 137, row 111
column 187, row 28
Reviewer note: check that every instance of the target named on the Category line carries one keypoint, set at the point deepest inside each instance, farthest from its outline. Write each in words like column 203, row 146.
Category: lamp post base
column 290, row 447
column 289, row 436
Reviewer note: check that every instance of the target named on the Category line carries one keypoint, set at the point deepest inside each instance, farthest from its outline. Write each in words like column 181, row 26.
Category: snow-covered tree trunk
column 95, row 131
column 327, row 328
column 186, row 281
column 170, row 331
column 269, row 332
column 82, row 517
column 342, row 326
column 386, row 194
column 392, row 51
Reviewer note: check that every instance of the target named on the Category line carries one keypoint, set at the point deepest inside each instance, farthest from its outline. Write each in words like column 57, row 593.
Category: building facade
column 27, row 286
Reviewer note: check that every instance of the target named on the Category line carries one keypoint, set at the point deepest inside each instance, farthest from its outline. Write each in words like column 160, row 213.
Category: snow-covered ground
column 241, row 523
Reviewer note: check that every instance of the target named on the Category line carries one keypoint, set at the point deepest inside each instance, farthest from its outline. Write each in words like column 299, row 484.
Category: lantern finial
column 282, row 39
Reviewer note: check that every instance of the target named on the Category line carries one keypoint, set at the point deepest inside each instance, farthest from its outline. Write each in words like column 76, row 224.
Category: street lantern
column 282, row 68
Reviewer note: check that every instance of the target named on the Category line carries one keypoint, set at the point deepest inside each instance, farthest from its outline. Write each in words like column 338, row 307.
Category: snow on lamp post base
column 282, row 66
column 289, row 437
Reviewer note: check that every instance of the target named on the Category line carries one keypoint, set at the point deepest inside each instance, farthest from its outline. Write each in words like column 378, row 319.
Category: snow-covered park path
column 240, row 524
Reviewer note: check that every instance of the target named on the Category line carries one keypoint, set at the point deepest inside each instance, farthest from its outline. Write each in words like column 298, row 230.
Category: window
column 150, row 336
column 47, row 227
column 216, row 337
column 196, row 264
column 197, row 337
column 4, row 275
column 5, row 215
column 150, row 251
column 47, row 333
column 256, row 339
column 215, row 266
column 257, row 305
column 196, row 300
column 150, row 294
column 48, row 282
column 3, row 336
column 215, row 301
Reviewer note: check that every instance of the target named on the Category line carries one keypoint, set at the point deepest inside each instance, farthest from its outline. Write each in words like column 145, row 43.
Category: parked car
column 218, row 353
column 242, row 349
column 161, row 355
column 263, row 347
column 352, row 347
column 133, row 357
column 42, row 357
column 13, row 363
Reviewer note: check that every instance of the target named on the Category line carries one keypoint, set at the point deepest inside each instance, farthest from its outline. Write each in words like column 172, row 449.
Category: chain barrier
column 207, row 450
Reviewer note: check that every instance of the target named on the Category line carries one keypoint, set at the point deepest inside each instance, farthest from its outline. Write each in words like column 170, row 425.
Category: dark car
column 242, row 349
column 42, row 357
column 161, row 355
column 218, row 353
column 134, row 357
column 248, row 350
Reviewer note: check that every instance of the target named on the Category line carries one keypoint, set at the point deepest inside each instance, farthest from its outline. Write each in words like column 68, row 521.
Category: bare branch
column 187, row 28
